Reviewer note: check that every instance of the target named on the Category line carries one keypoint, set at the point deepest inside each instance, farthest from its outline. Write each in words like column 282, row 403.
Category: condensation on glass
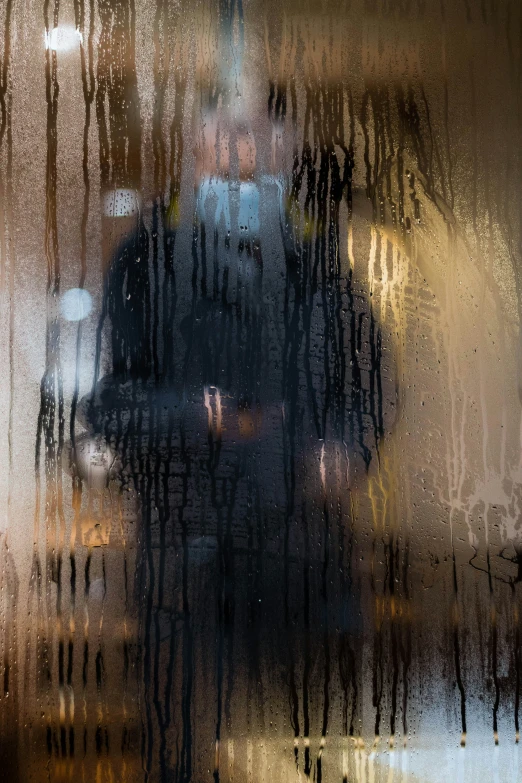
column 260, row 307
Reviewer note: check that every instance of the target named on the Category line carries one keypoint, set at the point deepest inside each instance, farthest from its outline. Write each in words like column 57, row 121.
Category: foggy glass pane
column 260, row 399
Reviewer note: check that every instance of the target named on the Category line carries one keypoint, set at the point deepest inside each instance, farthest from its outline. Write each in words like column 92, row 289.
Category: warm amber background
column 429, row 537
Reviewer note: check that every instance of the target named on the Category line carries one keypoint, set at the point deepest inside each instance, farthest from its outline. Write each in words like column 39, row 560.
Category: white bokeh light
column 63, row 39
column 75, row 304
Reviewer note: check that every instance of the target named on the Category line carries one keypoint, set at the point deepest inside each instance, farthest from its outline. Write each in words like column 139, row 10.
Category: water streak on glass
column 260, row 307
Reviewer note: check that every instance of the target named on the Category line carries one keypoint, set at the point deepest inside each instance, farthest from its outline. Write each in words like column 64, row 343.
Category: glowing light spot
column 63, row 39
column 75, row 304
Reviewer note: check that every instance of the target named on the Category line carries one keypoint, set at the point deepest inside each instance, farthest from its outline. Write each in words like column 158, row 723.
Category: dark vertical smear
column 185, row 764
column 100, row 662
column 169, row 681
column 391, row 557
column 214, row 454
column 346, row 654
column 126, row 300
column 226, row 597
column 378, row 653
column 494, row 649
column 326, row 640
column 516, row 623
column 456, row 652
column 192, row 317
column 171, row 218
column 289, row 382
column 307, row 661
column 163, row 512
column 156, row 286
column 406, row 640
column 257, row 619
column 155, row 613
column 149, row 587
column 85, row 668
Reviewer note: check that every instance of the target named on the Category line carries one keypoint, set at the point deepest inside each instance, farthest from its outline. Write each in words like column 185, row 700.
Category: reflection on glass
column 261, row 427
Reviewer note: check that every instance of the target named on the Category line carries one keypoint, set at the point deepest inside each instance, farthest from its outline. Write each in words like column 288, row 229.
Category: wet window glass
column 260, row 399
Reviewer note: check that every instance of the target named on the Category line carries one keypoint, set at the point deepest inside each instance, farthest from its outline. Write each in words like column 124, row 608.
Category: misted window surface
column 260, row 391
